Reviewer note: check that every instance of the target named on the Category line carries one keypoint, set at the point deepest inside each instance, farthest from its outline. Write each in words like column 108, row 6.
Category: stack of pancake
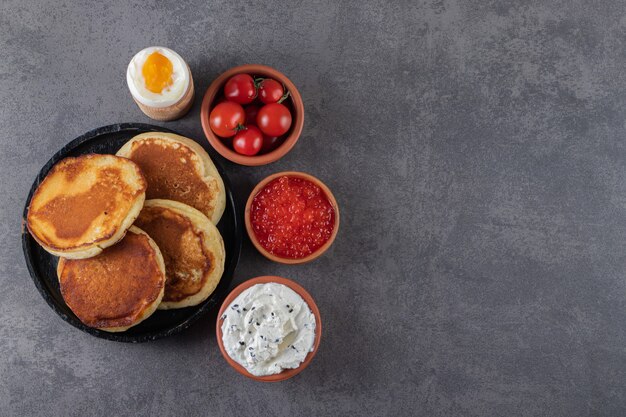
column 135, row 232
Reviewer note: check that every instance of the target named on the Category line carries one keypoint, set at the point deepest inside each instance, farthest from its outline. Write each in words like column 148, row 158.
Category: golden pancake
column 192, row 248
column 178, row 169
column 118, row 288
column 86, row 204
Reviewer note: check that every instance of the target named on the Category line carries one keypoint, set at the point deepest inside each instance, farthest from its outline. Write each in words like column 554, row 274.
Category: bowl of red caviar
column 292, row 217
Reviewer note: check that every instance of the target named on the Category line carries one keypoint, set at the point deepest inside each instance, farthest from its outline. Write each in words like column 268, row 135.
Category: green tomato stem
column 283, row 98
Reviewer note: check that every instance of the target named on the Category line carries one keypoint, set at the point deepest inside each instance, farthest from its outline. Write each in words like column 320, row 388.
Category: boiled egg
column 157, row 77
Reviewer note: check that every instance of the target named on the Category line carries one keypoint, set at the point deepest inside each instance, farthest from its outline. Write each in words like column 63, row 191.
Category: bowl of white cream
column 269, row 328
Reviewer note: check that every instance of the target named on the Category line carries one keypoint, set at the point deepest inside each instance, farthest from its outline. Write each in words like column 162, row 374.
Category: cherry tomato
column 240, row 88
column 274, row 119
column 270, row 91
column 225, row 117
column 270, row 143
column 248, row 141
column 251, row 111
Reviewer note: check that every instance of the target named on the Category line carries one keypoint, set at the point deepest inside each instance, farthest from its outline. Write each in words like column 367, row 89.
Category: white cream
column 268, row 328
column 170, row 95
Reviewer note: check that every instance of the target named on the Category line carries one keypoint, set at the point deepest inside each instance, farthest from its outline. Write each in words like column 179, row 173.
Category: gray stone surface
column 477, row 152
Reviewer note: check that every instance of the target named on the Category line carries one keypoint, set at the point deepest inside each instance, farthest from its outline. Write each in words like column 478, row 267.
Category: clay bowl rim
column 287, row 373
column 256, row 160
column 255, row 241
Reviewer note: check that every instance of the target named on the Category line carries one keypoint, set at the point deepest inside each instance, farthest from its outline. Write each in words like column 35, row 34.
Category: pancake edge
column 215, row 246
column 209, row 169
column 152, row 307
column 89, row 250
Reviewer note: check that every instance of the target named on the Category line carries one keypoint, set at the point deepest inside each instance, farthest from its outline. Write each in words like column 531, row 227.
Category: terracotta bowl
column 215, row 91
column 253, row 237
column 287, row 373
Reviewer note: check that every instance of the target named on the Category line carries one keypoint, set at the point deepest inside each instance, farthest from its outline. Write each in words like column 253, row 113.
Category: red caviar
column 292, row 217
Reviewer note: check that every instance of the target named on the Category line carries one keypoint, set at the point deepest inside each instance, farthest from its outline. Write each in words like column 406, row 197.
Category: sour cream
column 268, row 328
column 168, row 96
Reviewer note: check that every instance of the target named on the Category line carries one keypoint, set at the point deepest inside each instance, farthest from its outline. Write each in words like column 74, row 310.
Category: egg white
column 170, row 95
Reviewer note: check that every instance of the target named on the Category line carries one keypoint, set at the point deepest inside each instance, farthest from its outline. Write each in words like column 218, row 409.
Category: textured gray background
column 476, row 149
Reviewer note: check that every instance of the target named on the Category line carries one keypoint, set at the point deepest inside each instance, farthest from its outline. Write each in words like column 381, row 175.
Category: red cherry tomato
column 225, row 117
column 274, row 119
column 270, row 91
column 240, row 88
column 251, row 112
column 248, row 141
column 270, row 143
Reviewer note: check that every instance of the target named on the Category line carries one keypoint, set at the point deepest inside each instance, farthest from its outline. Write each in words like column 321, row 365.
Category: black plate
column 42, row 265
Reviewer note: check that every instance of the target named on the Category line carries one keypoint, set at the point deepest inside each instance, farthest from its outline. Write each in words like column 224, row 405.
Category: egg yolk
column 157, row 72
